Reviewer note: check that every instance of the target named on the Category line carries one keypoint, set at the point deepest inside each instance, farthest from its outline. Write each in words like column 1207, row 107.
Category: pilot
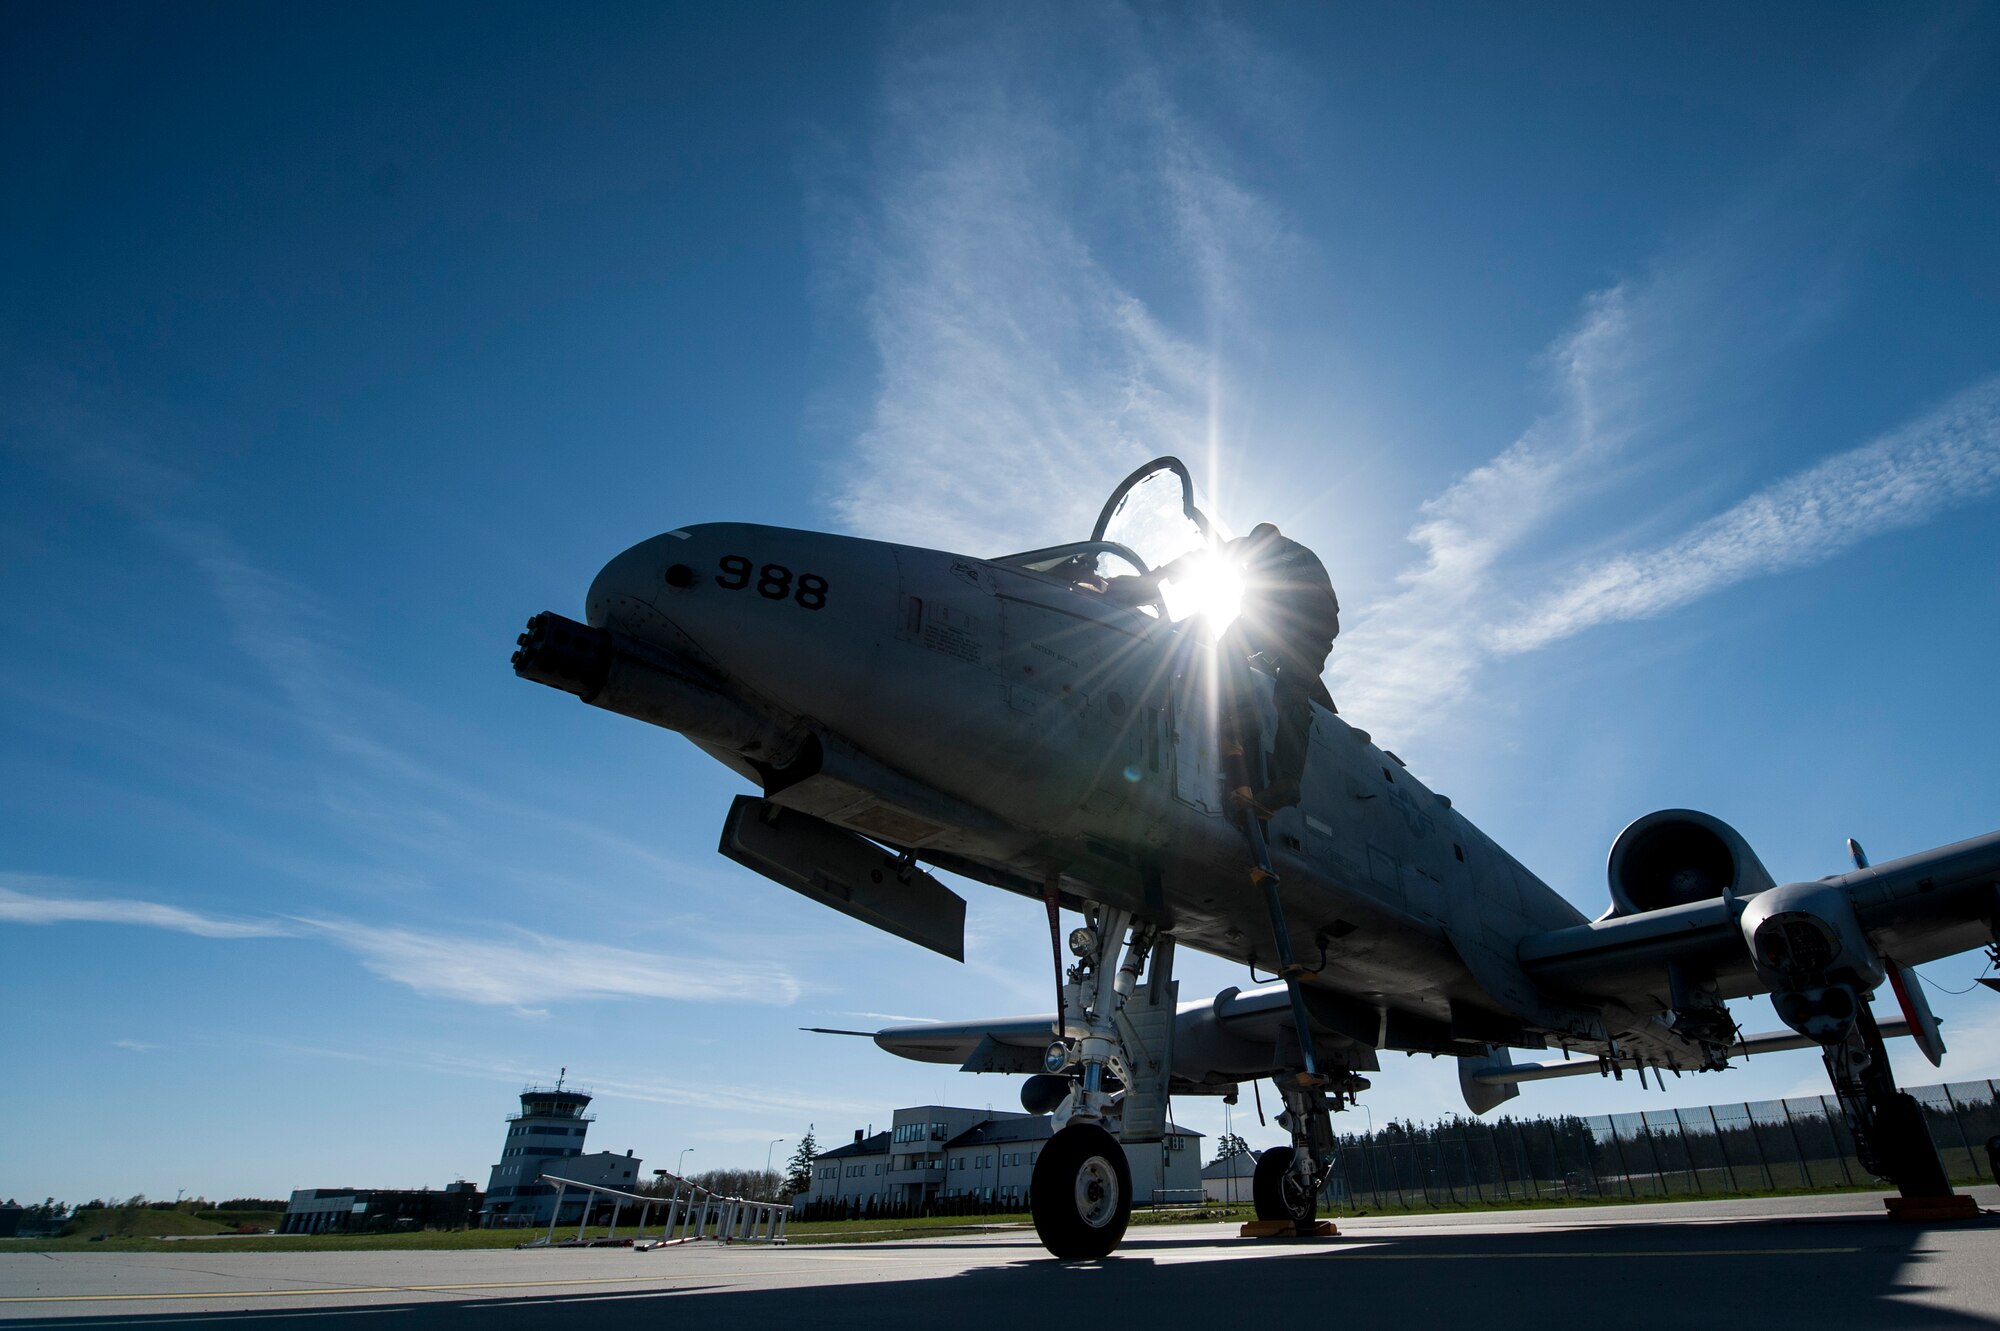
column 1290, row 617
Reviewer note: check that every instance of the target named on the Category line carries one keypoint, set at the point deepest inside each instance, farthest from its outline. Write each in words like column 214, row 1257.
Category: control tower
column 549, row 1128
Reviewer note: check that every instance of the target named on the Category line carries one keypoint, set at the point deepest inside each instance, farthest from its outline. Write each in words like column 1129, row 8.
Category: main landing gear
column 1891, row 1138
column 1279, row 1192
column 1288, row 1179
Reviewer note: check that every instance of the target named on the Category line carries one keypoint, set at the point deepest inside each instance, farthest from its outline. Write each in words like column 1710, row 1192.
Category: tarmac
column 1820, row 1262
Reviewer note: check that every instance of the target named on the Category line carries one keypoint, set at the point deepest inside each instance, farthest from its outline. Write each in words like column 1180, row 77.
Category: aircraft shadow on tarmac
column 1818, row 1274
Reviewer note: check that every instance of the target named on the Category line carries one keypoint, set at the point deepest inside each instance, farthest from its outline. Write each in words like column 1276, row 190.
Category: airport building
column 378, row 1210
column 546, row 1137
column 937, row 1153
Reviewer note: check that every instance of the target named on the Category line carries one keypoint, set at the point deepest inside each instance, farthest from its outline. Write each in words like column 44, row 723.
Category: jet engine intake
column 1676, row 856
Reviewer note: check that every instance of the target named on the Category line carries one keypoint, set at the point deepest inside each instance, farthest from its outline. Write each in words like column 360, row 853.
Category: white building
column 936, row 1153
column 1229, row 1181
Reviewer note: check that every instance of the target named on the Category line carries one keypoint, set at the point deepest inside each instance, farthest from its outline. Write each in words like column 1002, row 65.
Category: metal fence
column 1760, row 1146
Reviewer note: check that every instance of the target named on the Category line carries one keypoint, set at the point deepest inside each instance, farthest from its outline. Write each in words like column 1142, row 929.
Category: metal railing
column 689, row 1212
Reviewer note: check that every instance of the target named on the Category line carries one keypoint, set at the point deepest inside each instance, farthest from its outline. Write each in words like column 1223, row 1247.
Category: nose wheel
column 1081, row 1193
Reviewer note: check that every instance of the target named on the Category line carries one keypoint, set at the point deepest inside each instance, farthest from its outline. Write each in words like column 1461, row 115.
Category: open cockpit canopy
column 1150, row 520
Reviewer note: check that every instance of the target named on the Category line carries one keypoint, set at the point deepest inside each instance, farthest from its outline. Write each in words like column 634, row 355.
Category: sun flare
column 1211, row 587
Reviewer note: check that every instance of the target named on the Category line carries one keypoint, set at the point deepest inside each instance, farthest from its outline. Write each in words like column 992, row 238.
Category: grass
column 230, row 1220
column 140, row 1221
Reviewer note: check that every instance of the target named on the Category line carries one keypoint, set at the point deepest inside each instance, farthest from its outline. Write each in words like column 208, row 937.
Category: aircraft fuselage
column 1039, row 725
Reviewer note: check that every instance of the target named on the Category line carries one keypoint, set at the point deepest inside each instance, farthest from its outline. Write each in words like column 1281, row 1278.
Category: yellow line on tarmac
column 306, row 1293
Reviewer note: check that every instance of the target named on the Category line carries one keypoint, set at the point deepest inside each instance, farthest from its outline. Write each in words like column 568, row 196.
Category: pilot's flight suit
column 1290, row 617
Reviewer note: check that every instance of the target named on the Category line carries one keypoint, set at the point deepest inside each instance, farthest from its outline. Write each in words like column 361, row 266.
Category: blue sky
column 1634, row 373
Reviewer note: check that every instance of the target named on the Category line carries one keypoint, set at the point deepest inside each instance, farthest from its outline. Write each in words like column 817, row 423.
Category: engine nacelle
column 1805, row 936
column 1676, row 856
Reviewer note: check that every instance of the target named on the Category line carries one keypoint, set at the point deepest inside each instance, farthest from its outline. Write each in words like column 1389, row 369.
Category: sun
column 1209, row 586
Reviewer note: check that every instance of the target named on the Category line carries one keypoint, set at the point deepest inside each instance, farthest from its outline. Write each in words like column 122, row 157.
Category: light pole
column 682, row 1156
column 767, row 1153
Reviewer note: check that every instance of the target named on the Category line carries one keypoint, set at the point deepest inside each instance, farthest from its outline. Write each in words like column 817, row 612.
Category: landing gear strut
column 1288, row 1179
column 1891, row 1138
column 1114, row 1044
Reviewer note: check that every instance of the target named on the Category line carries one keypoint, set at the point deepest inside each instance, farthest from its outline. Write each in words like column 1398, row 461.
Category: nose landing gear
column 1114, row 1047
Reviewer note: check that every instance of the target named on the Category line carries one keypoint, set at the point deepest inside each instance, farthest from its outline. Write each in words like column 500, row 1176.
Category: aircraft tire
column 1276, row 1193
column 1081, row 1193
column 1909, row 1155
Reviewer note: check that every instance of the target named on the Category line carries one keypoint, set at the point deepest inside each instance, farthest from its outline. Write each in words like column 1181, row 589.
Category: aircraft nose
column 632, row 579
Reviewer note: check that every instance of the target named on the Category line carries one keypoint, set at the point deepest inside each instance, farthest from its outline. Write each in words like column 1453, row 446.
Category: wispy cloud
column 1414, row 655
column 525, row 969
column 1014, row 361
column 36, row 905
column 1417, row 649
column 1510, row 555
column 517, row 968
column 1946, row 458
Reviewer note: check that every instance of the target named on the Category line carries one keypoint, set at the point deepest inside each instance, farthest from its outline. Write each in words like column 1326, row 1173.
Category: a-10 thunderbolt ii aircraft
column 1012, row 722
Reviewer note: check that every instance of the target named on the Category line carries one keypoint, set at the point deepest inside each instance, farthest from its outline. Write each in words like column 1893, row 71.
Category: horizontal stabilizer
column 848, row 873
column 1214, row 1044
column 1480, row 1095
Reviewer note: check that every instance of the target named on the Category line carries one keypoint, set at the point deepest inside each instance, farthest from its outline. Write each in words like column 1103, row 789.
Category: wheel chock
column 1951, row 1206
column 1286, row 1229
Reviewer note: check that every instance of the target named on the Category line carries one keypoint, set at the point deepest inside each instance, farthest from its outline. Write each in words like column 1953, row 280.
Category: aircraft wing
column 1933, row 904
